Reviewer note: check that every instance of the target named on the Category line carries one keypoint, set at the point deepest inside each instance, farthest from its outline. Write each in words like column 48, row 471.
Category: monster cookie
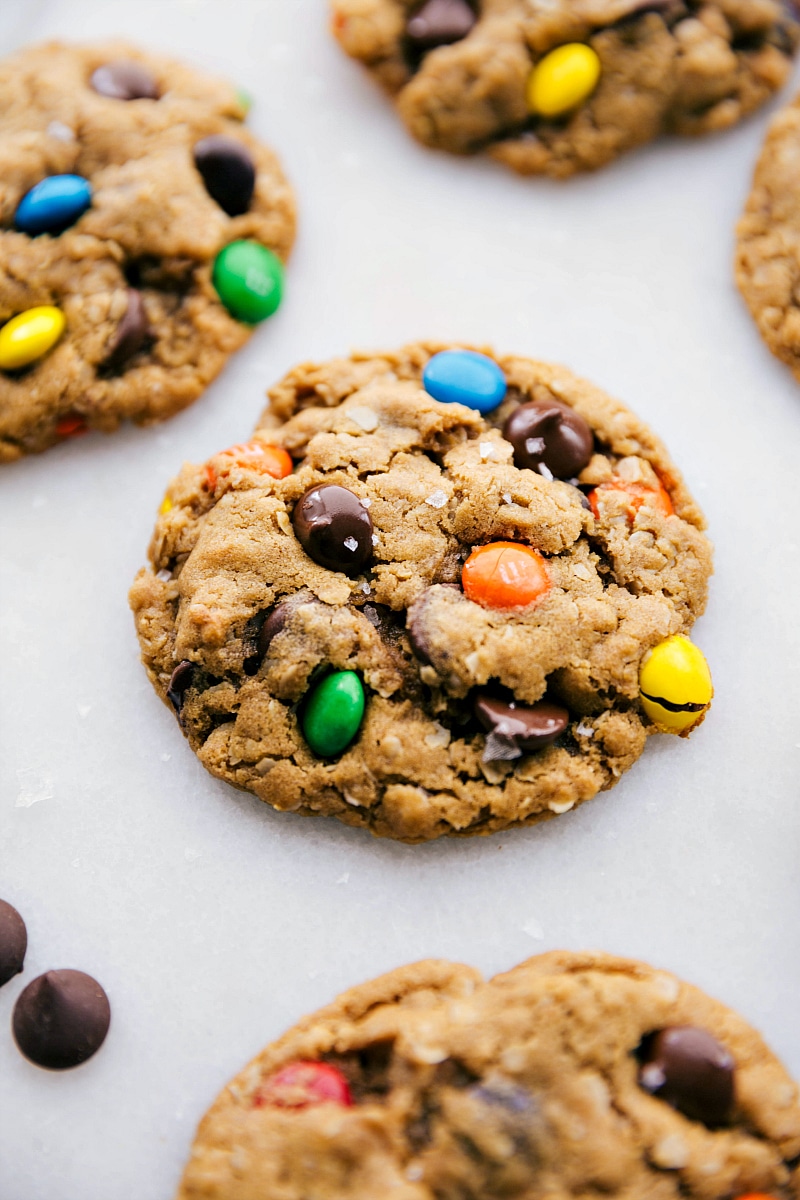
column 558, row 86
column 142, row 235
column 421, row 598
column 768, row 250
column 571, row 1075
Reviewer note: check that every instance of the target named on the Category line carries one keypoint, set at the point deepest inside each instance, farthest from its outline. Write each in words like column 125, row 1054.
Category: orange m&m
column 253, row 456
column 638, row 494
column 505, row 575
column 756, row 1196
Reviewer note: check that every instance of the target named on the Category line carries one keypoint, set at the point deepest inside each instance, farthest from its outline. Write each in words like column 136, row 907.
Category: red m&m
column 303, row 1084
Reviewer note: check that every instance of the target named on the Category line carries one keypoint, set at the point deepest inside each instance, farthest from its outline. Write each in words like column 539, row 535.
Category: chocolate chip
column 124, row 80
column 334, row 528
column 61, row 1019
column 179, row 684
column 439, row 23
column 689, row 1069
column 132, row 332
column 13, row 942
column 269, row 624
column 228, row 172
column 549, row 434
column 516, row 728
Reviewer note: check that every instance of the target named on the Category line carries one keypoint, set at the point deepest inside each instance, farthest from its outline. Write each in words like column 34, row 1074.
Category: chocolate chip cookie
column 438, row 592
column 767, row 256
column 552, row 87
column 571, row 1075
column 142, row 235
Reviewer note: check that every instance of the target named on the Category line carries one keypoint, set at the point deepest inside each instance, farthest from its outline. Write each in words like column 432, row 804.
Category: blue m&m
column 465, row 377
column 53, row 205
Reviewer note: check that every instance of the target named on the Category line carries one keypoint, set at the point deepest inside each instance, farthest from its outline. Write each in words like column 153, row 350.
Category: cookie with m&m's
column 143, row 232
column 569, row 1075
column 553, row 87
column 439, row 592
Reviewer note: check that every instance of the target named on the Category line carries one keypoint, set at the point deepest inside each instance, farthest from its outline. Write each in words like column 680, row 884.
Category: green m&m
column 249, row 281
column 333, row 713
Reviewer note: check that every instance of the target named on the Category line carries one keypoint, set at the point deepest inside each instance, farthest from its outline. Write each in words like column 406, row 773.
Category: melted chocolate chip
column 516, row 728
column 61, row 1019
column 439, row 23
column 179, row 684
column 132, row 332
column 689, row 1069
column 550, row 435
column 269, row 623
column 334, row 528
column 228, row 172
column 13, row 942
column 124, row 80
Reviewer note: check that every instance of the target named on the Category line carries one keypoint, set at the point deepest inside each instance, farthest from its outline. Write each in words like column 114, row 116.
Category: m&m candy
column 465, row 377
column 252, row 456
column 675, row 685
column 29, row 336
column 638, row 495
column 249, row 281
column 302, row 1085
column 53, row 205
column 563, row 79
column 333, row 713
column 505, row 575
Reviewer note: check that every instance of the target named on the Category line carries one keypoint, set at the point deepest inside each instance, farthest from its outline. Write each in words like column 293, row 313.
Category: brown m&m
column 61, row 1019
column 124, row 80
column 439, row 23
column 228, row 171
column 549, row 437
column 689, row 1069
column 13, row 942
column 519, row 728
column 334, row 528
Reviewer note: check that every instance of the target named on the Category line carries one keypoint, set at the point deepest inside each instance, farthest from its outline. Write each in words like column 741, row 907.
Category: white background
column 214, row 922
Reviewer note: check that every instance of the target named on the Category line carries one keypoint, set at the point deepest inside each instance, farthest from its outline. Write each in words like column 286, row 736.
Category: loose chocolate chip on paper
column 61, row 1019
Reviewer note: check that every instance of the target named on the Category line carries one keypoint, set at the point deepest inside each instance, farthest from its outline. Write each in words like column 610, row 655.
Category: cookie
column 570, row 1075
column 133, row 204
column 396, row 610
column 552, row 87
column 767, row 256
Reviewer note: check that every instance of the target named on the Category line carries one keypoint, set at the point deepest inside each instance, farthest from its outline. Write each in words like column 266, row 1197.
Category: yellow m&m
column 675, row 685
column 28, row 336
column 563, row 79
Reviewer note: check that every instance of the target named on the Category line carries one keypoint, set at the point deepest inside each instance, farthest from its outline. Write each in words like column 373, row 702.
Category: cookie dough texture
column 439, row 480
column 151, row 225
column 524, row 1086
column 674, row 66
column 768, row 249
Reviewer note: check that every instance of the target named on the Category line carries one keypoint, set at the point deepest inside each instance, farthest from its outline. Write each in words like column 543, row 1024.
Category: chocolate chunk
column 179, row 684
column 269, row 624
column 13, row 942
column 61, row 1019
column 132, row 332
column 228, row 172
column 334, row 528
column 689, row 1069
column 552, row 435
column 439, row 23
column 516, row 728
column 124, row 80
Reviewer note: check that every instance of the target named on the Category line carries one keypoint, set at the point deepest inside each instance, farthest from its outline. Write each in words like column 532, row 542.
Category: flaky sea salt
column 60, row 131
column 437, row 499
column 164, row 575
column 486, row 450
column 351, row 543
column 583, row 730
column 545, row 471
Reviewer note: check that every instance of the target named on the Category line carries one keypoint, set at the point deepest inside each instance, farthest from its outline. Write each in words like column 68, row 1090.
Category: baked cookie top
column 132, row 203
column 418, row 627
column 768, row 247
column 558, row 86
column 571, row 1075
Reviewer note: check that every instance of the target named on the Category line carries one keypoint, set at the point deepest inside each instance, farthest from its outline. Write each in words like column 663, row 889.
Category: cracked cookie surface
column 530, row 1085
column 670, row 66
column 146, row 330
column 768, row 240
column 238, row 624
